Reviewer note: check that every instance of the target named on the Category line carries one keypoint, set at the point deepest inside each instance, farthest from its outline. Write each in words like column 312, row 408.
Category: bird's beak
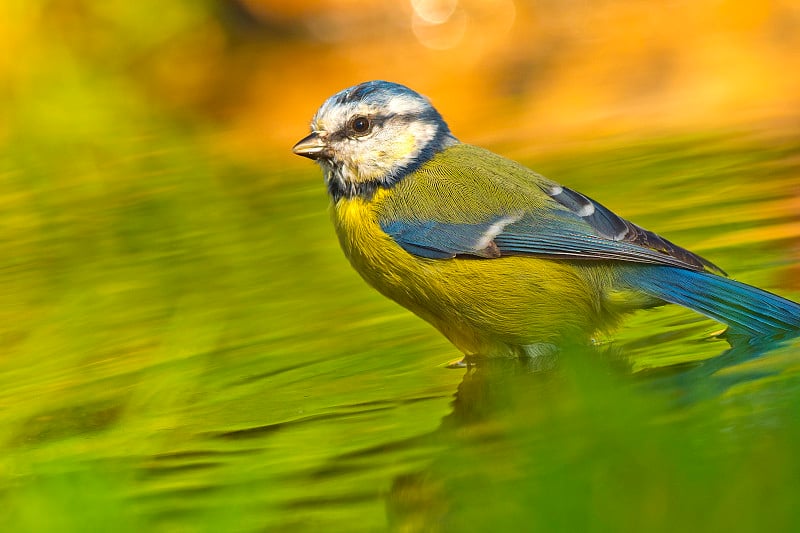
column 312, row 146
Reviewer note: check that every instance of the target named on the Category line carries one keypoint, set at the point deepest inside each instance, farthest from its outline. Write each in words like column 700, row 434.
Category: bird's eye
column 360, row 125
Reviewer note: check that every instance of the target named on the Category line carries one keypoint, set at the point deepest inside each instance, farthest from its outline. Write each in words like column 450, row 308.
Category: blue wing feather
column 744, row 308
column 440, row 240
column 561, row 234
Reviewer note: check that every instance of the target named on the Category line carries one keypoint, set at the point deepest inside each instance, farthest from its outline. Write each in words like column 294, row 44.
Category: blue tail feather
column 744, row 308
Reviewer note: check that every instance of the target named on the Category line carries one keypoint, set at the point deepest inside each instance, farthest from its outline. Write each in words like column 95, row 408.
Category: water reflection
column 694, row 382
column 513, row 427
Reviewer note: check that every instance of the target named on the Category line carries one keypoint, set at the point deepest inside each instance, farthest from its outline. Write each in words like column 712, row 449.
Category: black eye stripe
column 379, row 121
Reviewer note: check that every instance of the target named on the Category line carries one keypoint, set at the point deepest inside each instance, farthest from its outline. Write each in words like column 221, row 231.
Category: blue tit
column 498, row 258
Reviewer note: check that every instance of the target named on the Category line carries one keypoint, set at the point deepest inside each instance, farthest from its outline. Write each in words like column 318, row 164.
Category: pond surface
column 185, row 348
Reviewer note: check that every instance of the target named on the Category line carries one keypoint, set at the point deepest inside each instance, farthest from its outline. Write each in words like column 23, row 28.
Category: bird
column 501, row 260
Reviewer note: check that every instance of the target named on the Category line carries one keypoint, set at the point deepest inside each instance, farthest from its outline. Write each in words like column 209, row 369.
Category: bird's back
column 465, row 183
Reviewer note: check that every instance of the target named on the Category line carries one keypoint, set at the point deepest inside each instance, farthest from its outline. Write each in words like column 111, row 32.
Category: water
column 185, row 348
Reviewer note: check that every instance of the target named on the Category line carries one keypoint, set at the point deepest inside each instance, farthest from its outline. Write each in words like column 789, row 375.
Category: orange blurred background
column 508, row 71
column 541, row 69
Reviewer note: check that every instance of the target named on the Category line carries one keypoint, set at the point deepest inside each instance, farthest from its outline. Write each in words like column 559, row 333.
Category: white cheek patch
column 394, row 148
column 423, row 134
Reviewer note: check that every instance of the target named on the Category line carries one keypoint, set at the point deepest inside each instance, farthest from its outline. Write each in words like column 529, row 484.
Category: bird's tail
column 744, row 308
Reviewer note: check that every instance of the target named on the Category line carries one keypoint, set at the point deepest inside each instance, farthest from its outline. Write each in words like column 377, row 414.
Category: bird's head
column 372, row 135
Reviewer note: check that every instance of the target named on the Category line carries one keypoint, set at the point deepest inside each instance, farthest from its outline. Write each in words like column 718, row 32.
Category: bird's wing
column 569, row 225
